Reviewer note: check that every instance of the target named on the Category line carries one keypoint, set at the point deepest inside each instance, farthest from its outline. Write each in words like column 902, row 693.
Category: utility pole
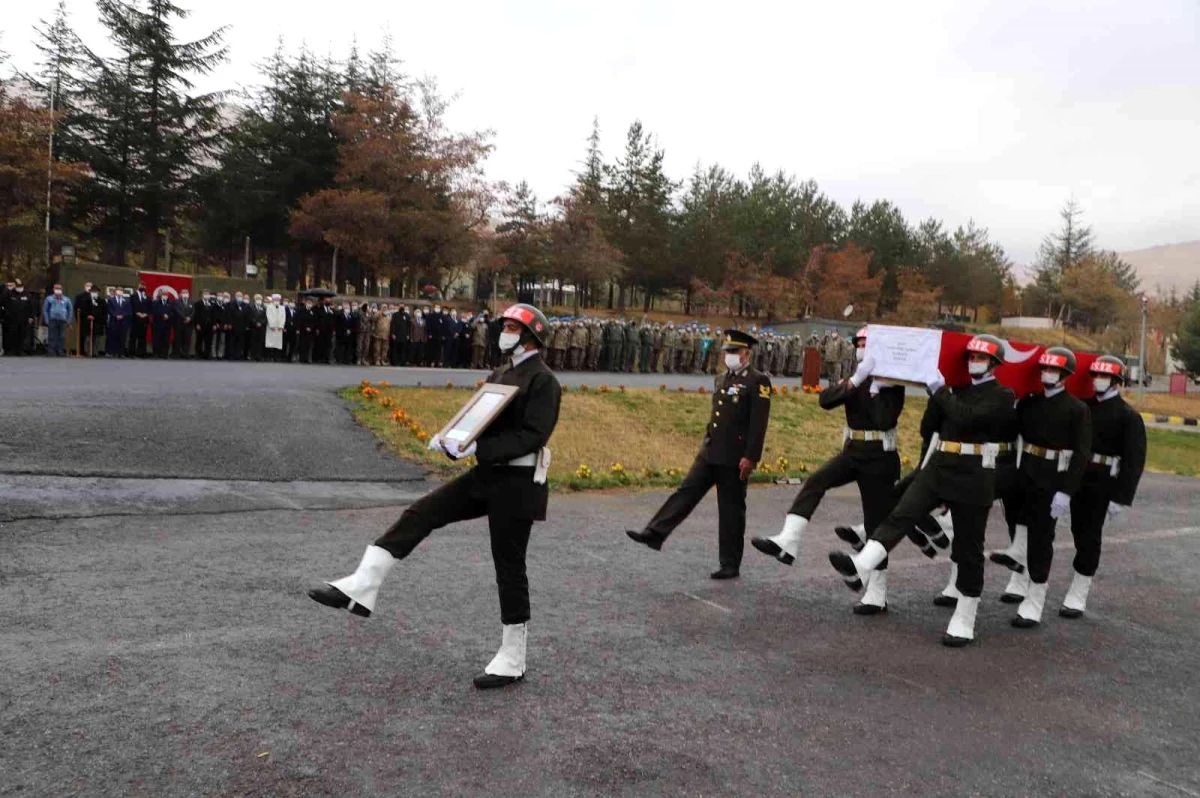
column 333, row 270
column 50, row 172
column 1142, row 351
column 246, row 257
column 167, row 237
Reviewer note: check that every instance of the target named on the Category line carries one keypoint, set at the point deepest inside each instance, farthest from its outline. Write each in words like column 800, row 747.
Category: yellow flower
column 584, row 471
column 617, row 468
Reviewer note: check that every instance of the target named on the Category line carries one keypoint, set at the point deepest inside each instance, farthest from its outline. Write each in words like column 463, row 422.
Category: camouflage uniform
column 631, row 347
column 670, row 344
column 830, row 354
column 559, row 334
column 577, row 345
column 697, row 350
column 656, row 352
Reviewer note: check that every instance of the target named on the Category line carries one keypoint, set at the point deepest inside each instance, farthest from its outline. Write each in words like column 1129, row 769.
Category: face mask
column 184, row 297
column 95, row 297
column 308, row 305
column 1050, row 379
column 58, row 292
column 977, row 369
column 19, row 290
column 1102, row 384
column 733, row 361
column 859, row 353
column 509, row 341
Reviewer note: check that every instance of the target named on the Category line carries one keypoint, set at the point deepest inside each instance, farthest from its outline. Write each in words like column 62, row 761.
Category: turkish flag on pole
column 1020, row 370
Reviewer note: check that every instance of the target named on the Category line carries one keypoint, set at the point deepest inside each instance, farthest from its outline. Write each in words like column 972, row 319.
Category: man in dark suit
column 91, row 313
column 256, row 329
column 141, row 307
column 120, row 320
column 960, row 473
column 306, row 330
column 201, row 319
column 346, row 330
column 162, row 316
column 236, row 321
column 400, row 328
column 20, row 321
column 185, row 319
column 508, row 487
column 732, row 447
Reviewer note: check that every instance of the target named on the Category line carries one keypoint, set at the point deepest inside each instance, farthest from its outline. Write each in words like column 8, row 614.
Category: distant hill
column 1168, row 266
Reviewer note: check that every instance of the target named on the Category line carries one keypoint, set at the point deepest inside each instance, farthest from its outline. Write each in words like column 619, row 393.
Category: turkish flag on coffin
column 164, row 283
column 1020, row 370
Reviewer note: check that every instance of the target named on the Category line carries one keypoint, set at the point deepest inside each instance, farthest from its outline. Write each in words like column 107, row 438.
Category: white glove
column 455, row 453
column 1059, row 504
column 935, row 381
column 863, row 371
column 1115, row 509
column 878, row 385
column 435, row 444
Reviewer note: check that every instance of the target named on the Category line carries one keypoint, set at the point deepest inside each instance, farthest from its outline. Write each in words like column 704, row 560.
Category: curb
column 1176, row 420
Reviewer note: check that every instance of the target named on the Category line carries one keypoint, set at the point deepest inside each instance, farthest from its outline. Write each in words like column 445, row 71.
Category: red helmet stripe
column 1105, row 367
column 1052, row 360
column 519, row 313
column 986, row 347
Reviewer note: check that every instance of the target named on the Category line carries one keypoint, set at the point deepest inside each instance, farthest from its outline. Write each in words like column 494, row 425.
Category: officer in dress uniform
column 732, row 447
column 1056, row 448
column 960, row 473
column 868, row 457
column 507, row 487
column 1110, row 479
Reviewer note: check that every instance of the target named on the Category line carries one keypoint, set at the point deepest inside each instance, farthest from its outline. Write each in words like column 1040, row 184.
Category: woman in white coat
column 276, row 319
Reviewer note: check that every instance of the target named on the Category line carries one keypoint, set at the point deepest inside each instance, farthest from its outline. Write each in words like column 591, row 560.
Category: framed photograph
column 479, row 411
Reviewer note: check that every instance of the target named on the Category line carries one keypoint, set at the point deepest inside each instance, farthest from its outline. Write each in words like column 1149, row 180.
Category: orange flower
column 422, row 436
column 701, row 390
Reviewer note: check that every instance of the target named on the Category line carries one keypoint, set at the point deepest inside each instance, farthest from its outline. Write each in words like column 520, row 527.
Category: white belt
column 1113, row 462
column 539, row 460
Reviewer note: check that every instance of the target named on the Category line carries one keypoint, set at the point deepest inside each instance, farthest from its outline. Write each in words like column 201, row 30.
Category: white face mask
column 509, row 341
column 1102, row 384
column 1050, row 378
column 859, row 353
column 977, row 369
column 733, row 361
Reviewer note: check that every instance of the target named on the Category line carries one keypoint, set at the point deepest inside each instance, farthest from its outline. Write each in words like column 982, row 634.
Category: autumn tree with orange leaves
column 841, row 277
column 407, row 196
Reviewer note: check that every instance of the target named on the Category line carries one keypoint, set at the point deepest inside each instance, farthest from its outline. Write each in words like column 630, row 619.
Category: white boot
column 788, row 540
column 362, row 586
column 962, row 624
column 950, row 593
column 1076, row 601
column 855, row 535
column 946, row 522
column 1029, row 614
column 1016, row 556
column 874, row 601
column 508, row 665
column 1018, row 586
column 856, row 570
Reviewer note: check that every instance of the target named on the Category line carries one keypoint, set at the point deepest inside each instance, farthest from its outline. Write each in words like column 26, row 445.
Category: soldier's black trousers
column 877, row 491
column 970, row 524
column 731, row 507
column 1089, row 511
column 1035, row 513
column 462, row 499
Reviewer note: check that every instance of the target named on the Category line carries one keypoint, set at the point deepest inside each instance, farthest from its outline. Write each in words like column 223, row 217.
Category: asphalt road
column 155, row 638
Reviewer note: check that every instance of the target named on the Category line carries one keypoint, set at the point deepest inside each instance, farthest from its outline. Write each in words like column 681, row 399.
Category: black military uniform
column 1057, row 445
column 733, row 443
column 960, row 474
column 501, row 487
column 868, row 457
column 1110, row 479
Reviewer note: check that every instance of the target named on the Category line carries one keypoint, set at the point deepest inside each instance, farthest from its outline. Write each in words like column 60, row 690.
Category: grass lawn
column 648, row 438
column 1166, row 404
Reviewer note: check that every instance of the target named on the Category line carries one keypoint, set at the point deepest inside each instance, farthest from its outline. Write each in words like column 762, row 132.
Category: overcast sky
column 997, row 111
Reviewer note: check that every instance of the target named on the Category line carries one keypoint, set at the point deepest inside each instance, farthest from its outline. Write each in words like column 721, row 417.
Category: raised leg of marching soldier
column 504, row 488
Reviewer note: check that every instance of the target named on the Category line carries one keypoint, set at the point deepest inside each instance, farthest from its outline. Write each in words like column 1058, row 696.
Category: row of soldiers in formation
column 620, row 345
column 1040, row 457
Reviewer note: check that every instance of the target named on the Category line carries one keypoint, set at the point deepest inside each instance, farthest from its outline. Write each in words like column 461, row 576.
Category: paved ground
column 155, row 638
